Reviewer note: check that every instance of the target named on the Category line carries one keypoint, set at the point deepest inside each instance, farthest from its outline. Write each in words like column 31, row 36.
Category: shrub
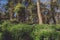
column 16, row 31
column 29, row 32
column 57, row 27
column 1, row 36
column 43, row 31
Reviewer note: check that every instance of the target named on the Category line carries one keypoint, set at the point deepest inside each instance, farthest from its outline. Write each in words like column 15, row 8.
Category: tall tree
column 11, row 11
column 9, row 8
column 39, row 12
column 53, row 6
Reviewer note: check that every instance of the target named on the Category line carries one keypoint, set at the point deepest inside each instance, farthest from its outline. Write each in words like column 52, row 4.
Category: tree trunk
column 11, row 14
column 0, row 16
column 10, row 10
column 39, row 12
column 53, row 10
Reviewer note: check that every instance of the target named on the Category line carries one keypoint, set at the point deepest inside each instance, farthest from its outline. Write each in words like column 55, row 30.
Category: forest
column 29, row 20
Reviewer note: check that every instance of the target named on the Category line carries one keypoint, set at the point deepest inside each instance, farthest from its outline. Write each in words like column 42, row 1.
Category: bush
column 57, row 27
column 16, row 31
column 21, row 31
column 41, row 32
column 1, row 36
column 29, row 32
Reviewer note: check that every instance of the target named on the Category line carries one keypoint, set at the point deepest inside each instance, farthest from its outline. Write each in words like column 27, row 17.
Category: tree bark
column 39, row 12
column 53, row 10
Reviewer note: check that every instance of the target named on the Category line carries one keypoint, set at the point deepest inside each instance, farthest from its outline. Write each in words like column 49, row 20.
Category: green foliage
column 44, row 31
column 5, row 25
column 58, row 27
column 17, row 7
column 0, row 36
column 19, row 31
column 29, row 32
column 16, row 31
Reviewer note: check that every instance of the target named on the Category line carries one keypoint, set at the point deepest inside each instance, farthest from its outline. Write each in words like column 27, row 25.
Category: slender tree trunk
column 53, row 10
column 11, row 14
column 39, row 12
column 0, row 16
column 17, row 17
column 11, row 10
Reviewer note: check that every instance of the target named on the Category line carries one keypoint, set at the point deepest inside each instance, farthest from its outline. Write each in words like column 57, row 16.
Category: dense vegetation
column 31, row 11
column 29, row 20
column 11, row 31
